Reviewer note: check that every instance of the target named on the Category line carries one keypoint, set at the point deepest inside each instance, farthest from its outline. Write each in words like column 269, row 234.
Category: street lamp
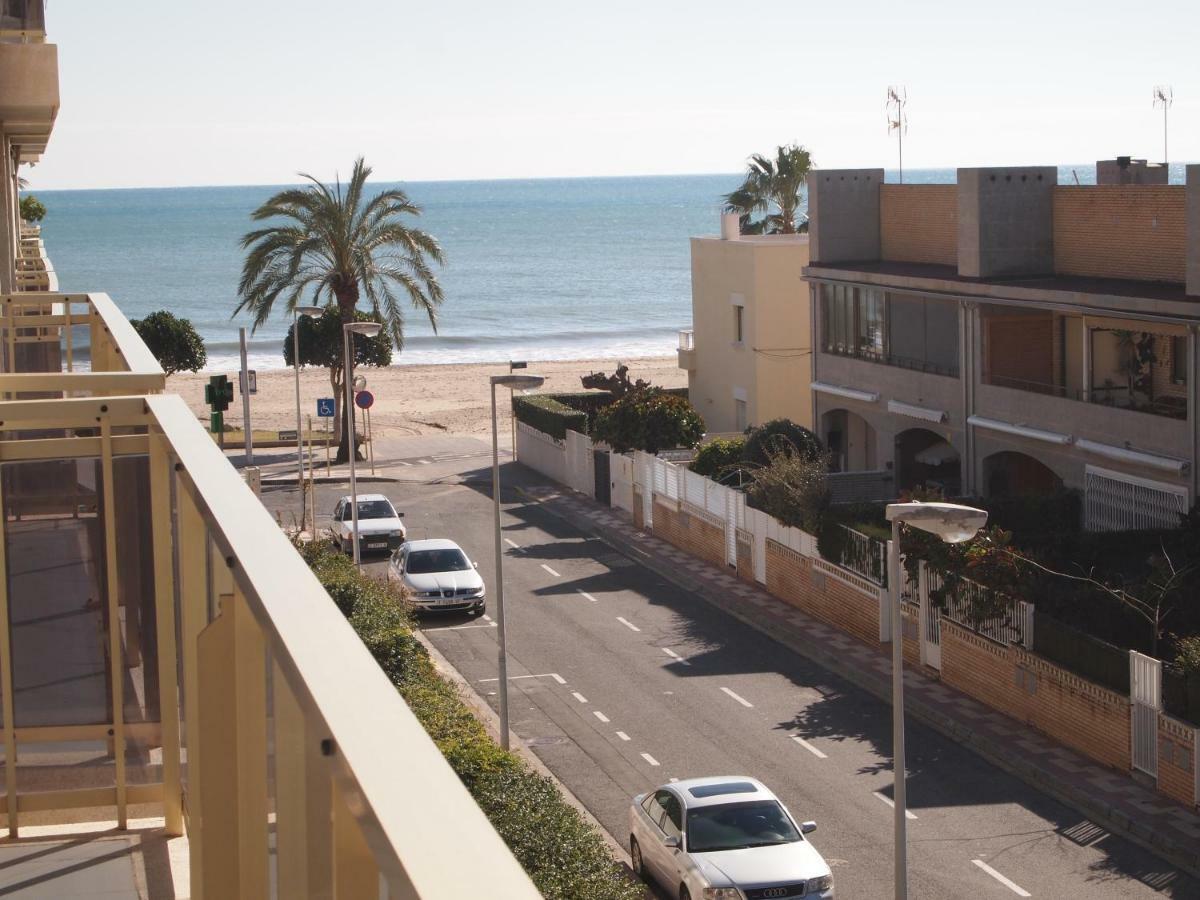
column 368, row 329
column 513, row 382
column 311, row 312
column 953, row 524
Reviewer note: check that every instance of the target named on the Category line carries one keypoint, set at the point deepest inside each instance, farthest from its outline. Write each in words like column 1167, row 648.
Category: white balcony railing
column 687, row 339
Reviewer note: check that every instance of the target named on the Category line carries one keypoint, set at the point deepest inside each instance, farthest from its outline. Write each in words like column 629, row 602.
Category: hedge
column 1081, row 653
column 563, row 854
column 547, row 414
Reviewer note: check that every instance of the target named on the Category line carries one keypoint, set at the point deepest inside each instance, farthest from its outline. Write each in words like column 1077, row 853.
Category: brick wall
column 1177, row 760
column 639, row 521
column 1121, row 231
column 690, row 533
column 745, row 561
column 791, row 578
column 1070, row 709
column 919, row 223
column 911, row 621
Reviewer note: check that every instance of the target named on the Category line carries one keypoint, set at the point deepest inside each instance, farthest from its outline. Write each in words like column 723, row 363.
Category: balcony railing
column 687, row 339
column 890, row 359
column 23, row 19
column 1117, row 396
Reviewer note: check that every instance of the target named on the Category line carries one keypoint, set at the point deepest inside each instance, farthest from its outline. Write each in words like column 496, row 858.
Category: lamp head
column 519, row 382
column 312, row 312
column 952, row 522
column 369, row 329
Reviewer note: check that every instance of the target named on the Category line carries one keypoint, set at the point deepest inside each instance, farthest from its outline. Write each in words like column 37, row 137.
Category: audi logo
column 775, row 892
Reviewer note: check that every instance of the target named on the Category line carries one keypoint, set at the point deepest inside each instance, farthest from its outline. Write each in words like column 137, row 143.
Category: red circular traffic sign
column 364, row 399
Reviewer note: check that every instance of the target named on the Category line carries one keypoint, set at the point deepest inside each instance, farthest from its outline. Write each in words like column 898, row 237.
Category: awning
column 836, row 390
column 937, row 454
column 1137, row 457
column 1026, row 431
column 924, row 413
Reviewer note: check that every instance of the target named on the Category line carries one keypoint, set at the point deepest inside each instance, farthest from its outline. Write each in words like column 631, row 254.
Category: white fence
column 568, row 462
column 1145, row 694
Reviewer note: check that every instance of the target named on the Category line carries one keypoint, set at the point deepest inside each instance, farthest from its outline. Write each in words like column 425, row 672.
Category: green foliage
column 792, row 488
column 547, row 414
column 719, row 459
column 649, row 420
column 777, row 183
column 988, row 559
column 1037, row 518
column 1080, row 652
column 321, row 342
column 566, row 858
column 1187, row 655
column 780, row 436
column 173, row 341
column 32, row 209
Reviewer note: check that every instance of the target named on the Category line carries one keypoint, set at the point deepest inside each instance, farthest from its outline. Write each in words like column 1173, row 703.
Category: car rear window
column 728, row 787
column 422, row 562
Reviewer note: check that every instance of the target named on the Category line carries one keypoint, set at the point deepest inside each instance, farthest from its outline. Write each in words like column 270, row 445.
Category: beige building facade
column 748, row 352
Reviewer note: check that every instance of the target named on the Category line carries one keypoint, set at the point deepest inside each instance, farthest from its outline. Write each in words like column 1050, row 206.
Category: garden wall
column 794, row 578
column 1177, row 771
column 689, row 530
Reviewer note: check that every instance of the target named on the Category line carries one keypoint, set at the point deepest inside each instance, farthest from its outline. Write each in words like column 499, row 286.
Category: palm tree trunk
column 346, row 304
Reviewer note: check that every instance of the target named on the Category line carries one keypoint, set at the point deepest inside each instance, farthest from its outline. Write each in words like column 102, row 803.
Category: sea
column 540, row 269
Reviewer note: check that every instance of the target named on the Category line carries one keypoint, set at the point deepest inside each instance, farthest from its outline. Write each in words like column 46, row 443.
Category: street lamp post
column 311, row 311
column 514, row 382
column 369, row 329
column 953, row 524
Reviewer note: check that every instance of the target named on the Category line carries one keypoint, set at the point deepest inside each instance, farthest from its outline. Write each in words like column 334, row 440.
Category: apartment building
column 1008, row 334
column 747, row 353
column 184, row 712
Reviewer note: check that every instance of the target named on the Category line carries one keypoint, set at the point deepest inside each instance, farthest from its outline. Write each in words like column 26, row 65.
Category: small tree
column 719, row 460
column 618, row 384
column 791, row 487
column 649, row 420
column 780, row 436
column 321, row 344
column 32, row 209
column 173, row 341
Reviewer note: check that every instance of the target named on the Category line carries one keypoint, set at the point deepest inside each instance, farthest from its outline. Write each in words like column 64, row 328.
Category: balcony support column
column 356, row 874
column 116, row 659
column 969, row 372
column 6, row 688
column 193, row 613
column 1086, row 356
column 1193, row 390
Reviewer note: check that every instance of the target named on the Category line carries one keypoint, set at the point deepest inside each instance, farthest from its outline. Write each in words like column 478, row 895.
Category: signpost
column 245, row 382
column 364, row 400
column 218, row 394
column 325, row 410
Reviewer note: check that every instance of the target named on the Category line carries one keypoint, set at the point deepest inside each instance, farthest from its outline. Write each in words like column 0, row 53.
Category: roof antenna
column 897, row 100
column 1164, row 96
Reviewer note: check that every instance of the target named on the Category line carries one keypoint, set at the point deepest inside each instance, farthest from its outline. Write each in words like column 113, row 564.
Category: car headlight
column 722, row 893
column 824, row 883
column 428, row 594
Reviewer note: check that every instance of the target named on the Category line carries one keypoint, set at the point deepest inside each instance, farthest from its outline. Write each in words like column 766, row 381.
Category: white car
column 378, row 523
column 439, row 576
column 726, row 838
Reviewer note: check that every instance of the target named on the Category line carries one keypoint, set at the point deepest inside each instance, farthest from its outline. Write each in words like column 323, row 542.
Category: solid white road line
column 675, row 656
column 1012, row 886
column 809, row 747
column 599, row 715
column 741, row 700
column 551, row 571
column 578, row 696
column 586, row 594
column 628, row 624
column 908, row 813
column 622, row 735
column 650, row 759
column 512, row 544
column 553, row 675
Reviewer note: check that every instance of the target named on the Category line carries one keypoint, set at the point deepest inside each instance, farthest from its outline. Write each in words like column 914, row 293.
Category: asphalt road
column 621, row 681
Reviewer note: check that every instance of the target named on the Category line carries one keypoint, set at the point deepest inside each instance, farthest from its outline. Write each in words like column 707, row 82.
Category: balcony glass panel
column 893, row 329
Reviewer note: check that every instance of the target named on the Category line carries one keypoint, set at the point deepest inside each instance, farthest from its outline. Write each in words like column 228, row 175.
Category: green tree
column 649, row 420
column 342, row 247
column 173, row 341
column 772, row 184
column 32, row 209
column 780, row 436
column 321, row 345
column 791, row 487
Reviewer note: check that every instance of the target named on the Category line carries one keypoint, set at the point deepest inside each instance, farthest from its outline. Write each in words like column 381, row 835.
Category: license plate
column 377, row 545
column 448, row 601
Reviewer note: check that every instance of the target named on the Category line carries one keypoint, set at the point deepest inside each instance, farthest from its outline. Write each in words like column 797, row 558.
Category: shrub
column 547, row 414
column 780, row 435
column 792, row 488
column 173, row 341
column 650, row 420
column 32, row 209
column 719, row 458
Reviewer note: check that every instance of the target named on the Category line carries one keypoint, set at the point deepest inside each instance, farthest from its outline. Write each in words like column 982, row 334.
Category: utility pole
column 246, row 400
column 897, row 100
column 1164, row 96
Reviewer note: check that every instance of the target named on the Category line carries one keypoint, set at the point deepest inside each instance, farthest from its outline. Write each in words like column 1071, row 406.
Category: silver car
column 725, row 838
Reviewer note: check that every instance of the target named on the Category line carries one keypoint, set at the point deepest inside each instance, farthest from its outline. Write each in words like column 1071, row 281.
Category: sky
column 180, row 92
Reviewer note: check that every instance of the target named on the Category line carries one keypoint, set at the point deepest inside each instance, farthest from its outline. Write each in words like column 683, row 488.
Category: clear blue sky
column 168, row 92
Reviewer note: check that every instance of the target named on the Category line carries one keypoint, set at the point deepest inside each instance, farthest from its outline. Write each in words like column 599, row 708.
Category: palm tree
column 771, row 183
column 341, row 247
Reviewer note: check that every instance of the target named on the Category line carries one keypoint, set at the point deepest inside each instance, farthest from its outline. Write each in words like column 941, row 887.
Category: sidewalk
column 1111, row 799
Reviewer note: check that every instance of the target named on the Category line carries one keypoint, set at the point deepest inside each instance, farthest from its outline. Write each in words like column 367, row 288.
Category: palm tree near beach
column 327, row 243
column 772, row 184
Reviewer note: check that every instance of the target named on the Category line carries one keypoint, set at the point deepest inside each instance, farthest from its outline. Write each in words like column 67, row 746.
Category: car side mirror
column 399, row 515
column 672, row 843
column 475, row 565
column 808, row 827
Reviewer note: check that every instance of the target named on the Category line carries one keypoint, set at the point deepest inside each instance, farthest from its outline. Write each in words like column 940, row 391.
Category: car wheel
column 635, row 857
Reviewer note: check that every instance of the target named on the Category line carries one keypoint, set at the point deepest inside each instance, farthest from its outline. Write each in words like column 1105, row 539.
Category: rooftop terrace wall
column 919, row 223
column 1136, row 232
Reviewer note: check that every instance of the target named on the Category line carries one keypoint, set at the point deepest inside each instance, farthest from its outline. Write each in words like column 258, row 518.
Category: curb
column 1114, row 820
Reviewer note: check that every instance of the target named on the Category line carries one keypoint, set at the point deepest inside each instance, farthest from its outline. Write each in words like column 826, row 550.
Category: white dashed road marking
column 551, row 571
column 908, row 813
column 512, row 544
column 650, row 759
column 578, row 696
column 1012, row 886
column 809, row 747
column 589, row 596
column 741, row 700
column 622, row 735
column 461, row 627
column 675, row 656
column 599, row 715
column 553, row 675
column 628, row 624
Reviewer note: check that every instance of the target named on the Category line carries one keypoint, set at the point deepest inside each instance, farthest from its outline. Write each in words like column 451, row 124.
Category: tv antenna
column 897, row 101
column 1164, row 96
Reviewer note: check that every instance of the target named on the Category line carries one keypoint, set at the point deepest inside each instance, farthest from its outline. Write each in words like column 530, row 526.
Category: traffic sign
column 364, row 399
column 289, row 436
column 325, row 407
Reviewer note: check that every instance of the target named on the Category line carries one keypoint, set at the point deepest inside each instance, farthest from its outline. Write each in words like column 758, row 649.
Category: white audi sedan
column 378, row 523
column 725, row 838
column 439, row 576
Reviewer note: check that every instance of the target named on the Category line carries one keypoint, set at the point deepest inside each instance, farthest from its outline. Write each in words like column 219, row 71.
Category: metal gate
column 600, row 472
column 1145, row 692
column 930, row 621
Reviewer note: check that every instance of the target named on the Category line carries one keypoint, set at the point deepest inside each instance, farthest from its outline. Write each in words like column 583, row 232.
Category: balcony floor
column 95, row 861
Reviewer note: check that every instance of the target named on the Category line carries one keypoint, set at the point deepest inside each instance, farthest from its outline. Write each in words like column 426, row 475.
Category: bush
column 780, row 435
column 650, row 420
column 566, row 858
column 32, row 209
column 719, row 459
column 791, row 488
column 173, row 341
column 548, row 415
column 1081, row 653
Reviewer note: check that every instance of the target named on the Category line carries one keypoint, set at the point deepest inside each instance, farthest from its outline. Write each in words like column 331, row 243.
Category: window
column 733, row 826
column 895, row 329
column 422, row 562
column 672, row 818
column 1179, row 360
column 737, row 323
column 653, row 809
column 740, row 415
column 370, row 509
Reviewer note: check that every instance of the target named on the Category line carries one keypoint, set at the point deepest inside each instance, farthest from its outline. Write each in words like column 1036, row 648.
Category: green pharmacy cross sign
column 218, row 394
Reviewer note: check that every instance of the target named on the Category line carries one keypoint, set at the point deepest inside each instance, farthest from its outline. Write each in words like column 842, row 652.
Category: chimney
column 731, row 227
column 1127, row 170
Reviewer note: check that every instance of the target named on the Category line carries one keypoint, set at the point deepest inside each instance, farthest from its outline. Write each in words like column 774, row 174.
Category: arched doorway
column 1013, row 474
column 925, row 459
column 850, row 440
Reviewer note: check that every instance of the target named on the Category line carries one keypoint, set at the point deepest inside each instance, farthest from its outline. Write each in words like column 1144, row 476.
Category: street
column 621, row 680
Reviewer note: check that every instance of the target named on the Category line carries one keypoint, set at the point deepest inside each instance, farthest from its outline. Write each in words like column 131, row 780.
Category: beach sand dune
column 413, row 399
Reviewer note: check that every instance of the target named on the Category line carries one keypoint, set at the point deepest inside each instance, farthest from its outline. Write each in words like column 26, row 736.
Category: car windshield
column 370, row 509
column 422, row 562
column 734, row 826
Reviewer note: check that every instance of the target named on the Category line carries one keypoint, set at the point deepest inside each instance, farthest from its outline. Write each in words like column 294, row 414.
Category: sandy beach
column 416, row 399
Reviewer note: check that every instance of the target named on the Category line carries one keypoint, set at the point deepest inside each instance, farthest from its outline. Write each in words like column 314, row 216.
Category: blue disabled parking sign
column 325, row 407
